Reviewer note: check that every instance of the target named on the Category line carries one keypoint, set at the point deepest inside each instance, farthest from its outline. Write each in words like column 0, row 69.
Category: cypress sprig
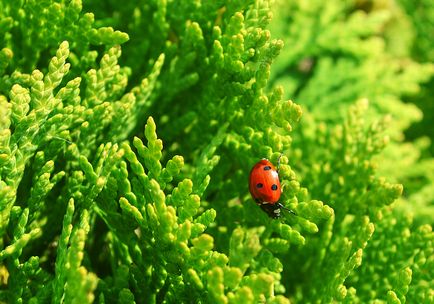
column 124, row 166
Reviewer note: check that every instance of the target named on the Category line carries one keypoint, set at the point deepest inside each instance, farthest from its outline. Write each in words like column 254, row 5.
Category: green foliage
column 124, row 169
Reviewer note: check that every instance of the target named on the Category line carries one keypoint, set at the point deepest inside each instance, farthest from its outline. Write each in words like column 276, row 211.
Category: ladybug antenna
column 60, row 138
column 287, row 209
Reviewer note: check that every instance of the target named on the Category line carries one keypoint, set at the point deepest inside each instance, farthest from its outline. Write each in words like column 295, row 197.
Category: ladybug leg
column 278, row 162
column 287, row 209
column 258, row 201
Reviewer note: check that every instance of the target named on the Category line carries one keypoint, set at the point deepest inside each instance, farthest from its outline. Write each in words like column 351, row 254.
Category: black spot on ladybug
column 274, row 187
column 259, row 185
column 266, row 168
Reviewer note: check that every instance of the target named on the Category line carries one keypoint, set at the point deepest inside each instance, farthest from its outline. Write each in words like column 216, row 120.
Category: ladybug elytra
column 264, row 185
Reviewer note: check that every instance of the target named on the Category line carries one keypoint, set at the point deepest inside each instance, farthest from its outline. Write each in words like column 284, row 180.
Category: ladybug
column 264, row 185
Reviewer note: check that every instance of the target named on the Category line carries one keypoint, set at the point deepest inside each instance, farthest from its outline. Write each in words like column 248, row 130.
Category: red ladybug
column 264, row 185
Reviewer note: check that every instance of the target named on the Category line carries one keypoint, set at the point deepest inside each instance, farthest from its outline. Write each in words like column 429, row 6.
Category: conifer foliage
column 128, row 130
